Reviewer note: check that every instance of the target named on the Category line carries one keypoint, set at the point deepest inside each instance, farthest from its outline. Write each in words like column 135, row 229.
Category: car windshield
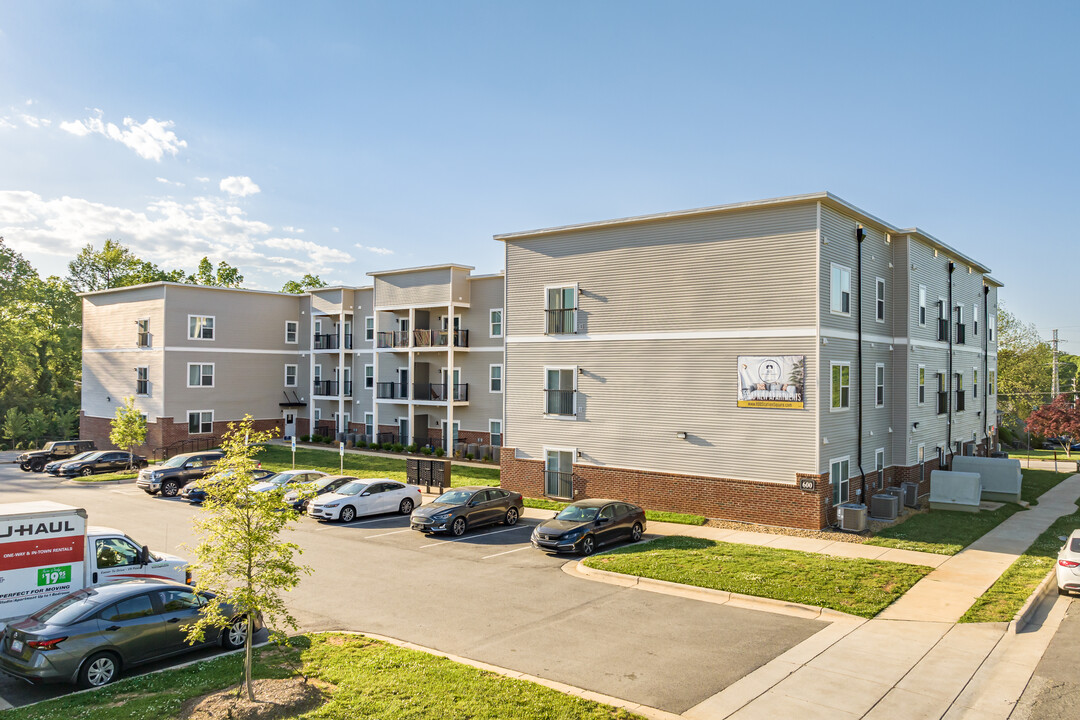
column 353, row 488
column 82, row 456
column 174, row 461
column 574, row 513
column 454, row 497
column 65, row 610
column 90, row 456
column 48, row 446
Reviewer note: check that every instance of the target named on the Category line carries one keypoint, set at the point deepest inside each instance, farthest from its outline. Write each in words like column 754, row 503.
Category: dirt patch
column 276, row 699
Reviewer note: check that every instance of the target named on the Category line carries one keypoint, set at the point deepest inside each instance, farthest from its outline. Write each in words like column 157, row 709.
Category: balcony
column 559, row 484
column 961, row 333
column 392, row 391
column 437, row 392
column 395, row 339
column 942, row 329
column 942, row 402
column 331, row 387
column 559, row 402
column 561, row 322
column 959, row 400
column 330, row 342
column 440, row 338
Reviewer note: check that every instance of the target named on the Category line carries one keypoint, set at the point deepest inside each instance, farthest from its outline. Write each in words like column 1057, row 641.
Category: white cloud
column 35, row 122
column 29, row 102
column 241, row 186
column 6, row 124
column 150, row 140
column 376, row 250
column 315, row 251
column 334, row 229
column 202, row 179
column 290, row 228
column 166, row 181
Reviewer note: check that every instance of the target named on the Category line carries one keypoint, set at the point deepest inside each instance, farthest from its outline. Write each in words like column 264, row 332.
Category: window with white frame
column 200, row 422
column 840, row 290
column 991, row 382
column 316, row 327
column 922, row 384
column 200, row 375
column 143, row 325
column 495, row 378
column 317, row 374
column 495, row 430
column 560, row 385
column 290, row 376
column 369, row 328
column 200, row 327
column 879, row 385
column 922, row 304
column 290, row 331
column 496, row 323
column 974, row 320
column 317, row 414
column 369, row 376
column 142, row 380
column 561, row 310
column 841, row 386
column 838, row 476
column 369, row 424
column 991, row 326
column 879, row 301
column 559, row 472
column 974, row 382
column 879, row 466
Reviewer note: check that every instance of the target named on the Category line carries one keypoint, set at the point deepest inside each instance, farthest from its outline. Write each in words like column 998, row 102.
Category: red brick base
column 163, row 431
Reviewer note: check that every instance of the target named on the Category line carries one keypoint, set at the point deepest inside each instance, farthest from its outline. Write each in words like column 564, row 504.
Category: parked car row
column 95, row 462
column 35, row 460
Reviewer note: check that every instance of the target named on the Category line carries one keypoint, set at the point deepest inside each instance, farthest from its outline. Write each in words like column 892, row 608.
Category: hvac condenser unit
column 911, row 494
column 884, row 506
column 851, row 517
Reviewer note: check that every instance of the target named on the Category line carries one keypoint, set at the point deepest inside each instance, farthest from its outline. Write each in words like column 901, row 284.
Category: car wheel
column 511, row 516
column 457, row 528
column 86, row 472
column 406, row 506
column 1062, row 591
column 25, row 467
column 169, row 488
column 37, row 465
column 100, row 669
column 235, row 634
column 635, row 532
column 588, row 545
column 348, row 514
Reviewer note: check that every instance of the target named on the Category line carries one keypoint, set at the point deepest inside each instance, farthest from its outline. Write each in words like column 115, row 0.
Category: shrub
column 468, row 456
column 397, row 447
column 487, row 458
column 439, row 452
column 426, row 450
column 361, row 443
column 412, row 448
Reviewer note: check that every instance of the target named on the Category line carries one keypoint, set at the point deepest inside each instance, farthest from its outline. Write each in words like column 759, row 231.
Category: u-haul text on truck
column 47, row 550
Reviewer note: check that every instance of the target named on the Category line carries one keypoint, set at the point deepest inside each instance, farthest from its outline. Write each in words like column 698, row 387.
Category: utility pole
column 1056, row 389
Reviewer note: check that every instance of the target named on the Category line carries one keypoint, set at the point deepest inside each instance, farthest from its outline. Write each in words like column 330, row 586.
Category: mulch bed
column 276, row 699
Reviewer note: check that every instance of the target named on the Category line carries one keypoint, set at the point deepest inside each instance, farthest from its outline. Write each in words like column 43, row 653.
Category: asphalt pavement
column 487, row 596
column 1054, row 688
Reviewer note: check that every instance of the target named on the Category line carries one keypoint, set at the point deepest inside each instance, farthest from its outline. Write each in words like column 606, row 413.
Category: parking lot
column 487, row 595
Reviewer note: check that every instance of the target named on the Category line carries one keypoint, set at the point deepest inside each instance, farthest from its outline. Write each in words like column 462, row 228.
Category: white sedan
column 285, row 478
column 365, row 497
column 1068, row 564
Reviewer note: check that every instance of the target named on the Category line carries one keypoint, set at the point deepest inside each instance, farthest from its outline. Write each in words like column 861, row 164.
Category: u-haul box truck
column 47, row 551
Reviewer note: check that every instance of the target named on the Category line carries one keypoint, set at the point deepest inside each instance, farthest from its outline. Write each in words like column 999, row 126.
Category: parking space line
column 395, row 532
column 354, row 523
column 506, row 552
column 470, row 537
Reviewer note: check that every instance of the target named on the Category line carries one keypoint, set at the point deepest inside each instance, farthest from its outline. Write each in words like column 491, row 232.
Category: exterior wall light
column 681, row 435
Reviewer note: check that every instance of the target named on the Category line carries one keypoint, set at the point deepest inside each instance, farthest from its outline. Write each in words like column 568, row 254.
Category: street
column 488, row 596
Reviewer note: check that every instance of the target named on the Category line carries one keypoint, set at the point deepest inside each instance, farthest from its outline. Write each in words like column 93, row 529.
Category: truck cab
column 115, row 556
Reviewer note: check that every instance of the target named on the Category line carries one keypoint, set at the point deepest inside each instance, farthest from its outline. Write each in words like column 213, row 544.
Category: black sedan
column 102, row 461
column 196, row 492
column 53, row 468
column 588, row 524
column 91, row 635
column 469, row 507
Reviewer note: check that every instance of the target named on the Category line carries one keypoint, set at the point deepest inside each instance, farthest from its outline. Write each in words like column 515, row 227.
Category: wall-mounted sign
column 772, row 381
column 808, row 484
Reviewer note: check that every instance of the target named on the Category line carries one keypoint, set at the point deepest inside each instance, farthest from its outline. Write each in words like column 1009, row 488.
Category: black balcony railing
column 440, row 338
column 331, row 387
column 559, row 484
column 559, row 402
column 392, row 391
column 560, row 322
column 961, row 333
column 438, row 392
column 942, row 329
column 959, row 400
column 326, row 342
column 395, row 339
column 386, row 437
column 942, row 402
column 324, row 429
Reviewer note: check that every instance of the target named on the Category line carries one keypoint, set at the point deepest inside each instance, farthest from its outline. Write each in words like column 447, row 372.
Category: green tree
column 128, row 428
column 14, row 428
column 65, row 423
column 114, row 265
column 241, row 558
column 225, row 276
column 308, row 282
column 1023, row 366
column 37, row 424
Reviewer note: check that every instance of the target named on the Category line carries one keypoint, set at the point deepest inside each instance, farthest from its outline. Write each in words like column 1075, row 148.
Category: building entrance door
column 290, row 425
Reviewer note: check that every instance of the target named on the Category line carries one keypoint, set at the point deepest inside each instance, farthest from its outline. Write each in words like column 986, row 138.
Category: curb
column 1027, row 610
column 717, row 597
column 92, row 483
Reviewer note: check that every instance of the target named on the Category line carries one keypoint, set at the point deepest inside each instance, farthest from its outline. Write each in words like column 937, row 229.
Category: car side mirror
column 364, row 494
column 1062, row 538
column 144, row 555
column 603, row 520
column 472, row 503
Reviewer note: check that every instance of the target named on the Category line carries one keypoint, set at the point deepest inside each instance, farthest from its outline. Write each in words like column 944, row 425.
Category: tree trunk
column 247, row 660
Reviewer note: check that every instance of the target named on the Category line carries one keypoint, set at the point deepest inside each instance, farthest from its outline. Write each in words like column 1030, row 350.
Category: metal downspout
column 986, row 364
column 949, row 396
column 860, row 235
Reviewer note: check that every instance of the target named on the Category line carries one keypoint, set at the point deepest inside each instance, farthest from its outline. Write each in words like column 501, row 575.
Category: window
column 974, row 382
column 942, row 320
column 115, row 552
column 130, row 609
column 879, row 466
column 369, row 328
column 200, row 375
column 369, row 376
column 991, row 326
column 495, row 378
column 200, row 422
column 317, row 374
column 991, row 382
column 290, row 331
column 840, row 290
column 142, row 381
column 143, row 326
column 922, row 384
column 879, row 385
column 496, row 323
column 317, row 328
column 959, row 391
column 841, row 386
column 942, row 395
column 369, row 425
column 559, row 473
column 974, row 320
column 880, row 301
column 922, row 304
column 559, row 388
column 960, row 327
column 318, row 414
column 561, row 310
column 178, row 600
column 838, row 476
column 495, row 429
column 290, row 376
column 200, row 327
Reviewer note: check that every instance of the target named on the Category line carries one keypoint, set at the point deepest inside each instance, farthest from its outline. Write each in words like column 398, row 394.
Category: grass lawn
column 1006, row 596
column 947, row 532
column 107, row 476
column 1040, row 454
column 362, row 678
column 653, row 515
column 851, row 585
column 279, row 457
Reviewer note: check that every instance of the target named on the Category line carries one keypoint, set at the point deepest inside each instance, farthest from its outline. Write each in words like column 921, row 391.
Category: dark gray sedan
column 587, row 524
column 90, row 636
column 469, row 507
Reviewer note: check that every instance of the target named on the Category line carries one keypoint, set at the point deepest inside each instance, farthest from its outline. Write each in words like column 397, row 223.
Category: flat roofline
column 824, row 197
column 992, row 281
column 166, row 283
column 488, row 276
column 450, row 266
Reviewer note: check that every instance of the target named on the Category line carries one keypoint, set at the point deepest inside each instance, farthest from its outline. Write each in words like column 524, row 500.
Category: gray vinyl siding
column 748, row 269
column 460, row 287
column 487, row 294
column 326, row 302
column 242, row 320
column 419, row 288
column 244, row 383
column 109, row 319
column 108, row 378
column 842, row 249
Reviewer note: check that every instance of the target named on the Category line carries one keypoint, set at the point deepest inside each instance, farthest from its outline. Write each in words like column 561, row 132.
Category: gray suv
column 176, row 472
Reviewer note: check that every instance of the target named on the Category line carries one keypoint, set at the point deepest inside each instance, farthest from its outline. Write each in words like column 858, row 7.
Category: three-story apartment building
column 197, row 358
column 763, row 361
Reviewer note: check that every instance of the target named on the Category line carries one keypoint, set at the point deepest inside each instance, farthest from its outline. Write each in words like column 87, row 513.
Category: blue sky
column 341, row 138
